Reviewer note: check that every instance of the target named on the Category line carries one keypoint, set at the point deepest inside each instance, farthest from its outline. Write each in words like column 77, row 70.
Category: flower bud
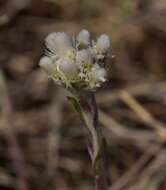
column 103, row 43
column 58, row 41
column 83, row 56
column 47, row 65
column 98, row 73
column 68, row 67
column 84, row 37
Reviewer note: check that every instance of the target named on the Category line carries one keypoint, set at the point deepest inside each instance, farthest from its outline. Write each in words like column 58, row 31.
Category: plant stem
column 87, row 108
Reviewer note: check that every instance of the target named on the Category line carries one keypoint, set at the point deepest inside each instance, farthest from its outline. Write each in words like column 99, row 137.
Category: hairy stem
column 86, row 107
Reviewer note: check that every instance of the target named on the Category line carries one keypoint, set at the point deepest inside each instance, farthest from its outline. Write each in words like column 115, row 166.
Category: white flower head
column 74, row 66
column 83, row 57
column 47, row 64
column 68, row 67
column 98, row 72
column 56, row 42
column 97, row 76
column 83, row 37
column 103, row 43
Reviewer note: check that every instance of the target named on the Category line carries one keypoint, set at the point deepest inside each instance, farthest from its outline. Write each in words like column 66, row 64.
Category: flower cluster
column 78, row 62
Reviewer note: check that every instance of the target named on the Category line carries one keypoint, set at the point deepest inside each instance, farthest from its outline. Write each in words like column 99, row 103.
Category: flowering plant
column 78, row 64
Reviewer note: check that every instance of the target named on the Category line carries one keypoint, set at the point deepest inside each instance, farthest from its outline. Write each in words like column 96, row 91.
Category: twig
column 53, row 137
column 128, row 176
column 149, row 171
column 144, row 89
column 144, row 114
column 123, row 132
column 14, row 149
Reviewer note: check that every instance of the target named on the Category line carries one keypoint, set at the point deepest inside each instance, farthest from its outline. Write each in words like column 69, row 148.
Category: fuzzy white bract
column 103, row 43
column 83, row 38
column 76, row 64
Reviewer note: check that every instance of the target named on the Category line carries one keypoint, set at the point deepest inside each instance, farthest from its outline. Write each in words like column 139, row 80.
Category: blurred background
column 42, row 143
